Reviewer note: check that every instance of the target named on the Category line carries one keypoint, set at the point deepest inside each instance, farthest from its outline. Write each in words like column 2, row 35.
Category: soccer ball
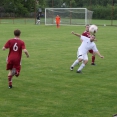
column 93, row 29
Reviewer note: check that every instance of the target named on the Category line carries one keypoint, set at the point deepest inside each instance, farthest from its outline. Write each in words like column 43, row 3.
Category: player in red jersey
column 58, row 20
column 15, row 46
column 87, row 34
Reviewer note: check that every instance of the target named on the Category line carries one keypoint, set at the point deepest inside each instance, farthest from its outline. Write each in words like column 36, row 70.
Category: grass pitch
column 46, row 87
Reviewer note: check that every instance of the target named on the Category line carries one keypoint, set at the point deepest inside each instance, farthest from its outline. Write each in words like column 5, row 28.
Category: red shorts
column 10, row 65
column 91, row 51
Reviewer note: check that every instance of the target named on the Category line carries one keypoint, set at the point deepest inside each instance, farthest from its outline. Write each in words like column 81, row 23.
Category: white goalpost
column 69, row 16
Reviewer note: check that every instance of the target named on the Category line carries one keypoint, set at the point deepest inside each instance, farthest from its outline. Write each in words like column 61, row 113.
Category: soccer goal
column 69, row 16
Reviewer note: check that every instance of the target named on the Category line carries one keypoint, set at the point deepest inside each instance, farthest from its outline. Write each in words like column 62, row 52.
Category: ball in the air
column 93, row 29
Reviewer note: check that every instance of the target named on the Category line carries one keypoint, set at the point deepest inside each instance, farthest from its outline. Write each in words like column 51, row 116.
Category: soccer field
column 46, row 87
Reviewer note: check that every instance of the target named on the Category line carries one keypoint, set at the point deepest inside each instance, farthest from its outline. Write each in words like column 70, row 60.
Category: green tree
column 20, row 7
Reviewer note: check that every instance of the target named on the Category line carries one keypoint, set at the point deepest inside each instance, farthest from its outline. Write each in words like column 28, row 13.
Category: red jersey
column 15, row 50
column 57, row 19
column 86, row 34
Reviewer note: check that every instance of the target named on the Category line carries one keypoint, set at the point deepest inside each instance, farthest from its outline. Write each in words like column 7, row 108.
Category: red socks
column 93, row 59
column 10, row 80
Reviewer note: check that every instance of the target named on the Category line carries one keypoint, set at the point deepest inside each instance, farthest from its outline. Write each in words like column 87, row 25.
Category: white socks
column 75, row 63
column 81, row 67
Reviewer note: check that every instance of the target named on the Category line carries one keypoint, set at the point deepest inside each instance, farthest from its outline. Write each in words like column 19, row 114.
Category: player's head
column 87, row 27
column 17, row 32
column 92, row 38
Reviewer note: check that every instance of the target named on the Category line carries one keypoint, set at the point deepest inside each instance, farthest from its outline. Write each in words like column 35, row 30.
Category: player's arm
column 95, row 50
column 3, row 48
column 6, row 46
column 26, row 52
column 98, row 53
column 79, row 35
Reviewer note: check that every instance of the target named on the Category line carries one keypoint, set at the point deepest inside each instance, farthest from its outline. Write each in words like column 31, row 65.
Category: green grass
column 46, row 87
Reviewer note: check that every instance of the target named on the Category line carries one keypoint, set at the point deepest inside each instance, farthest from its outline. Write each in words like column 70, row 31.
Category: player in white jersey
column 86, row 45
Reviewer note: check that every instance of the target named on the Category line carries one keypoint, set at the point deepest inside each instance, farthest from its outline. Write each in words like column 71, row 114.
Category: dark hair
column 87, row 25
column 17, row 32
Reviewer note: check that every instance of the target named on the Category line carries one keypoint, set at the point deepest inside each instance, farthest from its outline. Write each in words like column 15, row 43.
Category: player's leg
column 18, row 68
column 93, row 57
column 10, row 79
column 9, row 67
column 74, row 64
column 77, row 60
column 13, row 71
column 85, row 61
column 39, row 21
column 57, row 24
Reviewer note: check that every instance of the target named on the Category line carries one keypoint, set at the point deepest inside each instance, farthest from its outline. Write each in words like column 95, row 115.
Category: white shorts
column 38, row 20
column 82, row 56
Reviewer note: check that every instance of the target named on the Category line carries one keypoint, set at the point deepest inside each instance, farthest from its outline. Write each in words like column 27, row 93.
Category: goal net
column 69, row 16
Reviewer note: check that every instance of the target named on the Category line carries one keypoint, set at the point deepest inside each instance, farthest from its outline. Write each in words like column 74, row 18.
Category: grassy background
column 46, row 87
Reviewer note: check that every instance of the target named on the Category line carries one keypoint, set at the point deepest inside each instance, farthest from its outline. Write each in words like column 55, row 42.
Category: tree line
column 103, row 9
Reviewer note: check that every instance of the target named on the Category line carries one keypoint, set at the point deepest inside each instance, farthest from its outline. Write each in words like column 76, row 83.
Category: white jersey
column 87, row 45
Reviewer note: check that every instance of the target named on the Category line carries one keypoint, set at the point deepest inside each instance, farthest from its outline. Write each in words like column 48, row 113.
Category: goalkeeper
column 57, row 20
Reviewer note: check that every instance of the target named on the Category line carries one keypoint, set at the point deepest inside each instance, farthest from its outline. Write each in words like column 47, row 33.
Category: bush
column 107, row 13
